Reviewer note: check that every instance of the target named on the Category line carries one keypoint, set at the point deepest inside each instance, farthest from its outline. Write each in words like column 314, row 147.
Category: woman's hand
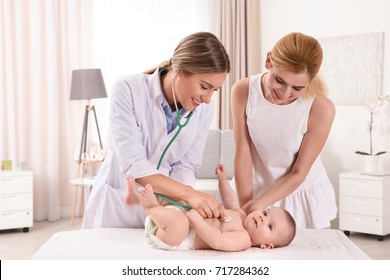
column 205, row 204
column 254, row 204
column 247, row 206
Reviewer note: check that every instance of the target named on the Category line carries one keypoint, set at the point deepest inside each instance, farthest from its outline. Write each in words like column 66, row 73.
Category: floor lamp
column 87, row 84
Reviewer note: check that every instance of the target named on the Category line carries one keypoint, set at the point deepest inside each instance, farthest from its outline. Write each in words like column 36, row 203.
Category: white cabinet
column 364, row 204
column 16, row 200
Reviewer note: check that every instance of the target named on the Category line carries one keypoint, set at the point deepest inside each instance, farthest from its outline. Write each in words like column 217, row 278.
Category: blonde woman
column 281, row 121
column 147, row 111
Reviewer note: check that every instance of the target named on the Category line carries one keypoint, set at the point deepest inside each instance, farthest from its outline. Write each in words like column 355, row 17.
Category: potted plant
column 371, row 159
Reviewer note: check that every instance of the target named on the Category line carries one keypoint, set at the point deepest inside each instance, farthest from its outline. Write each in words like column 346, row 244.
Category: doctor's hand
column 206, row 205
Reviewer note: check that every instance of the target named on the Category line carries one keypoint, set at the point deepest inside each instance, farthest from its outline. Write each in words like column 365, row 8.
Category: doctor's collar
column 167, row 108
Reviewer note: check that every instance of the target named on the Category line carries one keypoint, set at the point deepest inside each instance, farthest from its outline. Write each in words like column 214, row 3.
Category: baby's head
column 270, row 228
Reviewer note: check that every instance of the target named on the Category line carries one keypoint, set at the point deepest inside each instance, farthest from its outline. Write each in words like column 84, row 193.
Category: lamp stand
column 83, row 146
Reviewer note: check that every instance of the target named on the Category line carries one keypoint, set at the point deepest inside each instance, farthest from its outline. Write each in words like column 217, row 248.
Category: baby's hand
column 221, row 172
column 193, row 216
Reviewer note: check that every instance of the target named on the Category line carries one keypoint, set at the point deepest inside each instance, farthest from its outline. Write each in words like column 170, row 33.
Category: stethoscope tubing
column 174, row 136
column 180, row 127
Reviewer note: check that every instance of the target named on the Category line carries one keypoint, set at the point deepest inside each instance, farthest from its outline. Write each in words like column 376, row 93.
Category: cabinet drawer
column 361, row 223
column 15, row 184
column 17, row 201
column 358, row 187
column 361, row 205
column 16, row 219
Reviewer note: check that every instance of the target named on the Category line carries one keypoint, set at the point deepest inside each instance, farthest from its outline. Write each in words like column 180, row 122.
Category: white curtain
column 237, row 24
column 41, row 41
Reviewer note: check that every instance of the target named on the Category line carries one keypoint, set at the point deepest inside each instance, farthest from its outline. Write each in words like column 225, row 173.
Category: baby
column 171, row 227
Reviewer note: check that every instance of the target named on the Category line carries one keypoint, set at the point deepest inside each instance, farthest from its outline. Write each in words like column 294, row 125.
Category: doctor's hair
column 198, row 53
column 297, row 53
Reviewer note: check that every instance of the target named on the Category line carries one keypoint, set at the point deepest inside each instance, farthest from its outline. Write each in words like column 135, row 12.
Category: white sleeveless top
column 277, row 132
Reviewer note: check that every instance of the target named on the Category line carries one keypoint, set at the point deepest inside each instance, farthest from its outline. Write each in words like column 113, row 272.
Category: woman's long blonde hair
column 297, row 52
column 198, row 53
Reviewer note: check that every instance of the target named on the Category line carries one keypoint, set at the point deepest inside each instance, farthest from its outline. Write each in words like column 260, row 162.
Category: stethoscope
column 180, row 127
column 228, row 218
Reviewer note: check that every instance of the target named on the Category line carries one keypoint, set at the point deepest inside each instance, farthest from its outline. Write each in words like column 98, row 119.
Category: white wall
column 134, row 36
column 327, row 18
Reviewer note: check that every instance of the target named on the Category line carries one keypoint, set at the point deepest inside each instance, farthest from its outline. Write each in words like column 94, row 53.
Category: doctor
column 146, row 112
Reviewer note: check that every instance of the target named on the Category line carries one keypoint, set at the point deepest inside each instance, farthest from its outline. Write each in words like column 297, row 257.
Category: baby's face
column 268, row 226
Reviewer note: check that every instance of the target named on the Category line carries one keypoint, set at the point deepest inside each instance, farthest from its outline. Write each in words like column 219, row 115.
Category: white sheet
column 127, row 244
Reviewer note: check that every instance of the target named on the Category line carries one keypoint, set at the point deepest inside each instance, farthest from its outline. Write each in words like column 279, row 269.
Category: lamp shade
column 87, row 84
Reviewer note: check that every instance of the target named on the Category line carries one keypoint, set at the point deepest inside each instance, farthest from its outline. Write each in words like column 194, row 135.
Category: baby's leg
column 132, row 196
column 173, row 225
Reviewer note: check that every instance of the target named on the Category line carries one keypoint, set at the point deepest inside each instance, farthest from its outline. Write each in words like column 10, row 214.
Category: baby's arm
column 228, row 196
column 236, row 240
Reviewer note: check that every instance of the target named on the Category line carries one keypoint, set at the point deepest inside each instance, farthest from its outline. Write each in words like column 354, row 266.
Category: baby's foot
column 132, row 196
column 148, row 199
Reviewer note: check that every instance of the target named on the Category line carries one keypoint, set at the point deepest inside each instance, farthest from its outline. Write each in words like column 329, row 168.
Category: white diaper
column 155, row 242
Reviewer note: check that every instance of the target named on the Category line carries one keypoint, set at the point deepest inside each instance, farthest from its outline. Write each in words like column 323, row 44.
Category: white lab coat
column 138, row 136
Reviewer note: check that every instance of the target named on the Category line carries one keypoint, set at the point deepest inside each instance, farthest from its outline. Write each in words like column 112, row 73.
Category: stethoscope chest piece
column 228, row 219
